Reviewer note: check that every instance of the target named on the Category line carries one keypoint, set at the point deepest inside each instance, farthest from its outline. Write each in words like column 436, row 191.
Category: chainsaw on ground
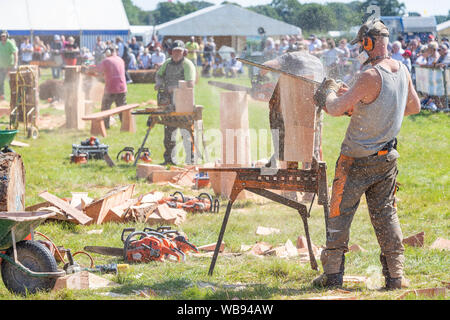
column 128, row 154
column 202, row 203
column 148, row 245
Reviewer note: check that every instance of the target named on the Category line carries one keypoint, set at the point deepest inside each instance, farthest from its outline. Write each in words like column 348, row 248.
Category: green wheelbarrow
column 27, row 266
column 6, row 137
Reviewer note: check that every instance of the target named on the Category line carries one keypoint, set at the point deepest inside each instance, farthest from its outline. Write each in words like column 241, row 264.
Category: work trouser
column 3, row 74
column 170, row 143
column 120, row 99
column 375, row 176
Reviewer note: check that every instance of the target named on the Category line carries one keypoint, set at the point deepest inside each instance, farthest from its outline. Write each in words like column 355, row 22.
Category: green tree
column 133, row 12
column 313, row 16
column 345, row 15
column 266, row 10
column 287, row 10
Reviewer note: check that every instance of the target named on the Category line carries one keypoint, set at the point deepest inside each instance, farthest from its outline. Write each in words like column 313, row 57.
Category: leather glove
column 327, row 85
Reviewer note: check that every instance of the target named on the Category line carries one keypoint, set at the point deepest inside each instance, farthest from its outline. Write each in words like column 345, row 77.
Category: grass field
column 424, row 168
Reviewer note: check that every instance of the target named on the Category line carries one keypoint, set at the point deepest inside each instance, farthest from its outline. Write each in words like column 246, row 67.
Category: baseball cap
column 178, row 44
column 376, row 28
column 407, row 53
column 431, row 37
column 4, row 33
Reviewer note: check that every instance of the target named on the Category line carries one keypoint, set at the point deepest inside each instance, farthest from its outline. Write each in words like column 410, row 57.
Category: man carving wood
column 381, row 96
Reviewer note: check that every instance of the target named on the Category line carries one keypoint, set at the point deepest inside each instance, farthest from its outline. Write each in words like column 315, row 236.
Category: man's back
column 114, row 70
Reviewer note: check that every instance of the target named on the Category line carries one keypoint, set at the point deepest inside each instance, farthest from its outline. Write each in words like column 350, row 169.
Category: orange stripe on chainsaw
column 342, row 169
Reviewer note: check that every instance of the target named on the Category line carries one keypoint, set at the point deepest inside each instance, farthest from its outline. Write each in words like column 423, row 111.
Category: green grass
column 424, row 168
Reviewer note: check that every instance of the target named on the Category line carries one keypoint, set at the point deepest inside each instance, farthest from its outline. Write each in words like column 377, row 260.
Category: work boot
column 396, row 283
column 329, row 280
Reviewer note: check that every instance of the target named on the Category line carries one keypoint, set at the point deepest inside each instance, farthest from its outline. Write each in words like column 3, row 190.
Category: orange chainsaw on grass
column 148, row 245
column 203, row 203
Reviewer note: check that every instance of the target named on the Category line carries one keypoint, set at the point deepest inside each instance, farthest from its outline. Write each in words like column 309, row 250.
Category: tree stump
column 12, row 182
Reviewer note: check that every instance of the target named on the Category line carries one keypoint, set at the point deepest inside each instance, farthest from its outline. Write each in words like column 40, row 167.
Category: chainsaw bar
column 229, row 86
column 109, row 251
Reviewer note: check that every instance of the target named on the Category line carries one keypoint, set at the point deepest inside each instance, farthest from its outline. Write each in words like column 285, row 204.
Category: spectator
column 56, row 49
column 422, row 57
column 8, row 59
column 86, row 56
column 331, row 58
column 413, row 46
column 99, row 50
column 166, row 46
column 397, row 51
column 145, row 60
column 269, row 49
column 71, row 52
column 315, row 43
column 343, row 58
column 123, row 52
column 134, row 46
column 38, row 49
column 430, row 38
column 208, row 54
column 284, row 46
column 402, row 41
column 63, row 40
column 233, row 66
column 218, row 66
column 153, row 44
column 192, row 48
column 407, row 59
column 433, row 54
column 158, row 58
column 444, row 56
column 201, row 47
column 132, row 64
column 26, row 51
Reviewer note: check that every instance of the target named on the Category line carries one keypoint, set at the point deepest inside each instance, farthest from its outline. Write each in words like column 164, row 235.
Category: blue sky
column 425, row 7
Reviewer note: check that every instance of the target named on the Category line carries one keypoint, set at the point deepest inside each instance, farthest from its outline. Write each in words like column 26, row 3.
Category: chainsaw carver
column 299, row 63
column 176, row 68
column 381, row 96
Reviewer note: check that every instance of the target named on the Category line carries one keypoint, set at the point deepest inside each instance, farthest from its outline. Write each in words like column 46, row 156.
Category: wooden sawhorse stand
column 182, row 120
column 260, row 180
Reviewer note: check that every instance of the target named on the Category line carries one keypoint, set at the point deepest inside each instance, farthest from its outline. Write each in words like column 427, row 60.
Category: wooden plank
column 64, row 206
column 108, row 113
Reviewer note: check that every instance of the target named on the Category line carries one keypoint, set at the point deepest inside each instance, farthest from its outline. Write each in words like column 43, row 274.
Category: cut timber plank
column 144, row 170
column 64, row 206
column 163, row 175
column 99, row 209
column 82, row 280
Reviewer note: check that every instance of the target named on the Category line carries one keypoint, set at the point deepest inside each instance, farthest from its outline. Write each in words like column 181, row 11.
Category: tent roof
column 224, row 20
column 63, row 15
column 443, row 25
column 419, row 24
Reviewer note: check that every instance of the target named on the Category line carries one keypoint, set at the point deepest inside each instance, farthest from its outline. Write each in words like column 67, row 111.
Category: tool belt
column 387, row 148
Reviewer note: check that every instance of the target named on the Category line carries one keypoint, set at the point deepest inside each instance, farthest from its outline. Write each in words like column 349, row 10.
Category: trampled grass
column 424, row 168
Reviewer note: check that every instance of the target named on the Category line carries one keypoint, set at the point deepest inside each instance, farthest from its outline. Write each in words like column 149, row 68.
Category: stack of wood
column 183, row 177
column 118, row 205
column 24, row 88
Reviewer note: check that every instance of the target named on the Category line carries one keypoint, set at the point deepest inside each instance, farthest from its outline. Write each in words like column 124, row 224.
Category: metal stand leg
column 312, row 259
column 142, row 146
column 219, row 241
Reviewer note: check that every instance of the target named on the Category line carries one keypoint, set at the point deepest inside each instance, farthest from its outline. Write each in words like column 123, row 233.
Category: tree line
column 309, row 16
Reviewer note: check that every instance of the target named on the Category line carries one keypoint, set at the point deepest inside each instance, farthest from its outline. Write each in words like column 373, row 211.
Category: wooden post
column 12, row 196
column 297, row 104
column 183, row 98
column 74, row 101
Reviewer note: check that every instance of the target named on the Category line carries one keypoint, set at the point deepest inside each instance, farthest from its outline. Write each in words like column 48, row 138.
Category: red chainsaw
column 203, row 203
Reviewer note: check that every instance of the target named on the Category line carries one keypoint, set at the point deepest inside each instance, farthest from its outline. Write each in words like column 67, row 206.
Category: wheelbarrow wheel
column 35, row 257
column 32, row 133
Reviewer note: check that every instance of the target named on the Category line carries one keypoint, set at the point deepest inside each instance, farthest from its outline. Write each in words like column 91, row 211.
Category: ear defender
column 185, row 52
column 368, row 43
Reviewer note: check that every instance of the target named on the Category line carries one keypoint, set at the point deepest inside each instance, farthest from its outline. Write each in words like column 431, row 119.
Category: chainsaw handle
column 130, row 149
column 181, row 194
column 128, row 240
column 126, row 230
column 209, row 197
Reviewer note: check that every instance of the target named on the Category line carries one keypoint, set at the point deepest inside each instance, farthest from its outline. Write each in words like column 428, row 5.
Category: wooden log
column 144, row 170
column 298, row 109
column 74, row 97
column 12, row 186
column 183, row 98
column 235, row 128
column 143, row 76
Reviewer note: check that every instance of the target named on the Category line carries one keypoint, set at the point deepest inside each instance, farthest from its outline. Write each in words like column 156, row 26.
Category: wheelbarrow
column 27, row 266
column 6, row 137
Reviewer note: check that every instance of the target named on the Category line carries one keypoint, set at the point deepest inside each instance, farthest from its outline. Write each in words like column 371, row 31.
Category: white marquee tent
column 225, row 20
column 84, row 18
